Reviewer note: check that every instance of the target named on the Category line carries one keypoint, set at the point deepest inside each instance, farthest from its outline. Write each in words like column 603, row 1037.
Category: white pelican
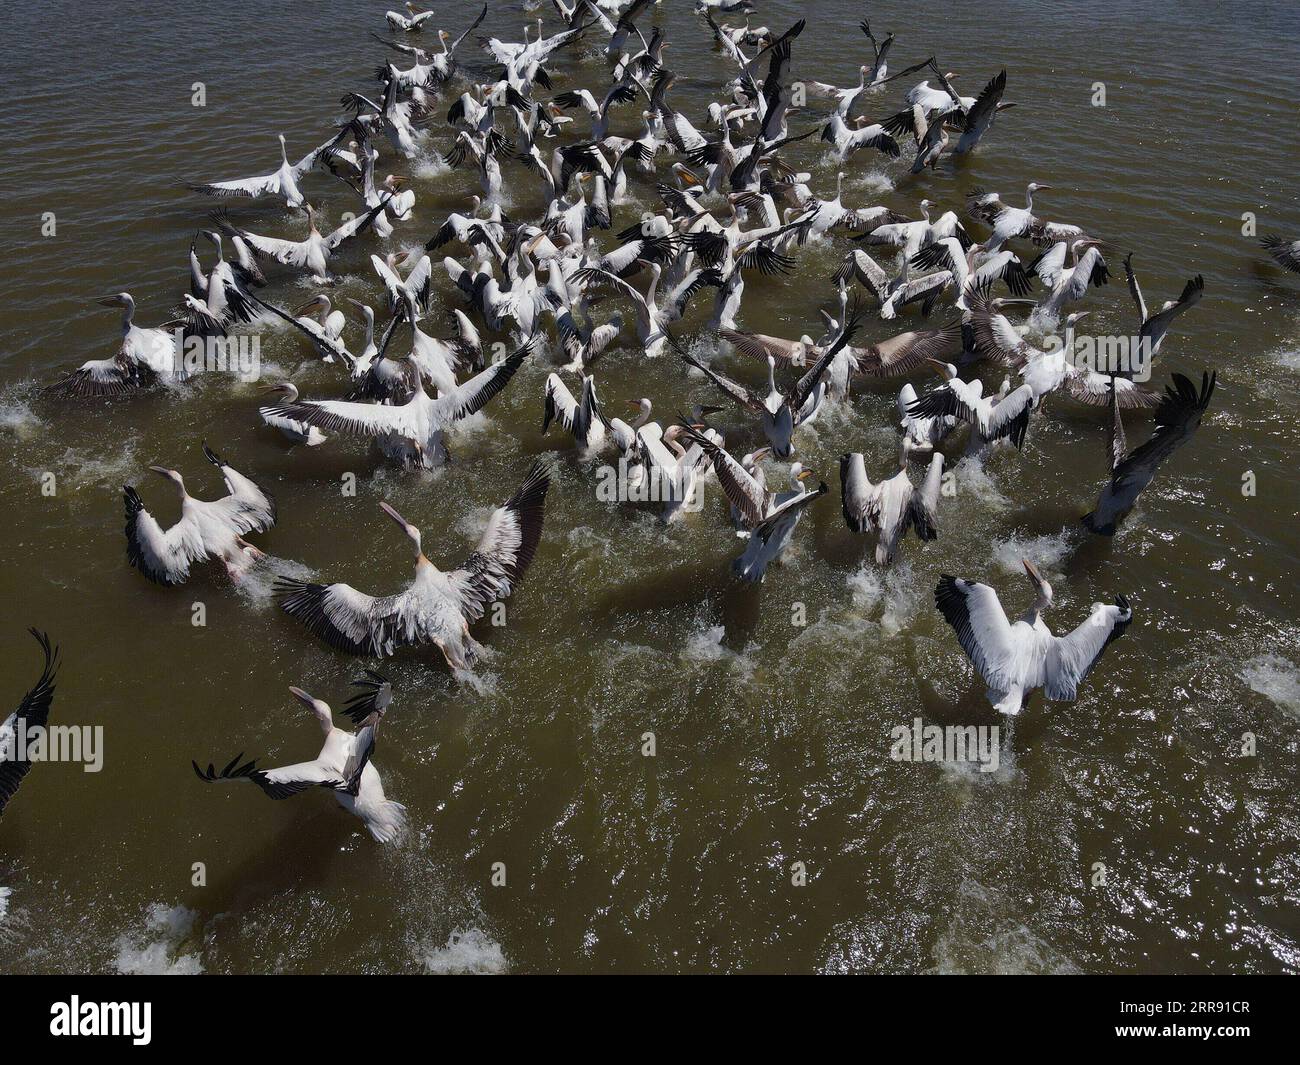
column 1155, row 327
column 33, row 713
column 421, row 421
column 846, row 140
column 781, row 411
column 1177, row 419
column 412, row 291
column 924, row 431
column 436, row 607
column 283, row 182
column 1286, row 253
column 771, row 535
column 892, row 506
column 329, row 347
column 582, row 418
column 343, row 765
column 314, row 251
column 1011, row 222
column 1050, row 370
column 1068, row 284
column 412, row 22
column 1016, row 658
column 981, row 114
column 911, row 236
column 298, row 432
column 206, row 529
column 991, row 418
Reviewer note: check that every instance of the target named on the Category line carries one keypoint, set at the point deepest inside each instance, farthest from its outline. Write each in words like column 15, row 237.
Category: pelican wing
column 118, row 376
column 250, row 507
column 560, row 404
column 1177, row 419
column 1009, row 417
column 252, row 187
column 976, row 615
column 163, row 557
column 472, row 396
column 742, row 490
column 734, row 389
column 1093, row 388
column 1070, row 658
column 759, row 346
column 351, row 620
column 1158, row 324
column 507, row 546
column 790, row 508
column 279, row 783
column 909, row 351
column 357, row 419
column 923, row 506
column 1049, row 265
column 35, row 711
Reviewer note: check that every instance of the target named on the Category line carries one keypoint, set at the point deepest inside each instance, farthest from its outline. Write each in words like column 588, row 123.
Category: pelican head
column 1034, row 186
column 702, row 410
column 798, row 475
column 946, row 370
column 322, row 301
column 1072, row 318
column 286, row 388
column 1041, row 586
column 171, row 475
column 412, row 533
column 117, row 299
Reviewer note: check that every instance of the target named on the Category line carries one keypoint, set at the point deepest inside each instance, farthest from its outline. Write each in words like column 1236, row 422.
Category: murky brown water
column 772, row 738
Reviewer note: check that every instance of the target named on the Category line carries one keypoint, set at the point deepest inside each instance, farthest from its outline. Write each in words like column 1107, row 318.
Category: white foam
column 973, row 479
column 986, row 935
column 4, row 902
column 896, row 588
column 1045, row 552
column 1275, row 678
column 705, row 647
column 470, row 951
column 17, row 416
column 156, row 951
column 257, row 583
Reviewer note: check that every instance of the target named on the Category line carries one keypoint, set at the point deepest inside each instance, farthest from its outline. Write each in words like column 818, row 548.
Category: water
column 771, row 738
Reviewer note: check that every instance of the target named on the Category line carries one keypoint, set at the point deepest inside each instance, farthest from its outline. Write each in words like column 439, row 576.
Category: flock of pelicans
column 731, row 208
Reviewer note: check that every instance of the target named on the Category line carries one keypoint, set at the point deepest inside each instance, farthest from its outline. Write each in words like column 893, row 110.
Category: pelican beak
column 162, row 471
column 108, row 301
column 314, row 301
column 690, row 178
column 633, row 404
column 1041, row 187
column 301, row 696
column 805, row 474
column 1032, row 570
column 939, row 367
column 763, row 453
column 394, row 515
column 280, row 387
column 709, row 410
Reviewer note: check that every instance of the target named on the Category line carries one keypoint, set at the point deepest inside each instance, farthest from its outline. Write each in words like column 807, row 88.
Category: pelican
column 892, row 506
column 206, row 529
column 1068, row 284
column 1045, row 371
column 1286, row 253
column 1011, row 222
column 1177, row 419
column 143, row 355
column 421, row 421
column 982, row 113
column 413, row 290
column 582, row 418
column 297, row 432
column 846, row 140
column 992, row 418
column 1016, row 658
column 1154, row 328
column 283, row 182
column 436, row 607
column 32, row 715
column 312, row 253
column 412, row 22
column 781, row 411
column 325, row 336
column 771, row 535
column 343, row 766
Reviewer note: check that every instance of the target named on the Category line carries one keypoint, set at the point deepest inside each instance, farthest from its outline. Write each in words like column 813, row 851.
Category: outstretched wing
column 279, row 783
column 976, row 615
column 1071, row 658
column 34, row 710
column 507, row 547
